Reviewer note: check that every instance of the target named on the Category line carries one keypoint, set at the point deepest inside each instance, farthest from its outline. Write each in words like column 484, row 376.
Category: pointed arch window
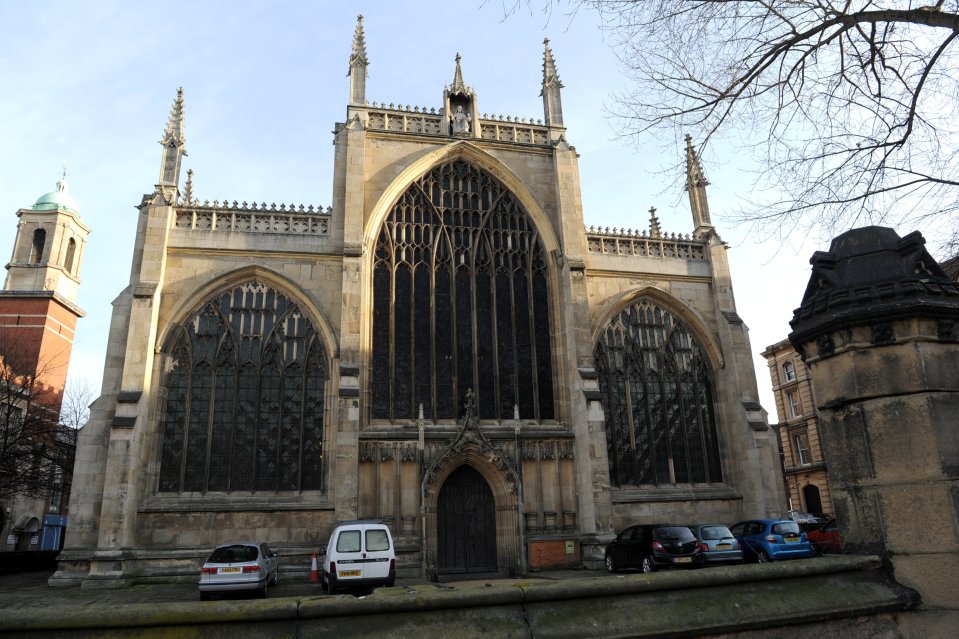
column 460, row 301
column 656, row 387
column 244, row 397
column 36, row 249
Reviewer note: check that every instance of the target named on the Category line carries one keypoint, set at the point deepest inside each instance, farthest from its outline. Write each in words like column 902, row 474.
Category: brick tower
column 38, row 310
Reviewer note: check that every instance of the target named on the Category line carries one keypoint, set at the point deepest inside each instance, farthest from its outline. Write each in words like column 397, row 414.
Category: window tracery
column 460, row 301
column 656, row 388
column 244, row 397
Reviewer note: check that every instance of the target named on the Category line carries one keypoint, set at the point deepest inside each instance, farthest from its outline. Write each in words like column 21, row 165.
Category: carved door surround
column 471, row 447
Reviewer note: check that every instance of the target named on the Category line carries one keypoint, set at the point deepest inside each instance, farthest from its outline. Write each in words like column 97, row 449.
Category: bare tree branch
column 852, row 104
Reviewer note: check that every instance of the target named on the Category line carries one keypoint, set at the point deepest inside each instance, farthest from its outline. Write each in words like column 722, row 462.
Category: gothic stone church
column 446, row 348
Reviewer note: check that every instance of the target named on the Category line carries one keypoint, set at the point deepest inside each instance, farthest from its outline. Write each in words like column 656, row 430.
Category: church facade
column 446, row 348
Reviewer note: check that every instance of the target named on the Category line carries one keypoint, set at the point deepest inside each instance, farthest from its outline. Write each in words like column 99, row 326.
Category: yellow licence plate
column 683, row 560
column 348, row 573
column 791, row 540
column 225, row 571
column 723, row 546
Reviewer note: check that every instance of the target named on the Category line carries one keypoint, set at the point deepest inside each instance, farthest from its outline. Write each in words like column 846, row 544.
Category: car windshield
column 715, row 532
column 786, row 528
column 233, row 554
column 674, row 533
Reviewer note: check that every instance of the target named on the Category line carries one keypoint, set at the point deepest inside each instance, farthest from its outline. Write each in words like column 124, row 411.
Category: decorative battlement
column 644, row 244
column 253, row 218
column 406, row 119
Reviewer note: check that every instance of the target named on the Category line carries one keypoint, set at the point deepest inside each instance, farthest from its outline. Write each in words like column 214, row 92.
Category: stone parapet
column 845, row 596
column 636, row 243
column 254, row 218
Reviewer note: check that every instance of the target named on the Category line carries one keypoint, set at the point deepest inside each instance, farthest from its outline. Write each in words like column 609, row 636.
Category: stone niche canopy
column 872, row 275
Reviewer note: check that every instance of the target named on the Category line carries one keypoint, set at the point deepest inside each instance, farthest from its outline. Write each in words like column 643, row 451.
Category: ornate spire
column 174, row 127
column 552, row 102
column 696, row 184
column 173, row 144
column 358, row 55
column 358, row 64
column 550, row 76
column 458, row 85
column 654, row 230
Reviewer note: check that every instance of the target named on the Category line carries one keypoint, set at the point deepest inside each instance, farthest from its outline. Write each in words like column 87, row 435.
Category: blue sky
column 91, row 84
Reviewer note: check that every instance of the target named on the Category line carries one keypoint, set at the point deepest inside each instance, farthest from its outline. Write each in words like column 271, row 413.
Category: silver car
column 718, row 544
column 240, row 566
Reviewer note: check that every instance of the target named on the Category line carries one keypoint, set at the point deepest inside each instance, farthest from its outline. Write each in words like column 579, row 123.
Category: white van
column 360, row 553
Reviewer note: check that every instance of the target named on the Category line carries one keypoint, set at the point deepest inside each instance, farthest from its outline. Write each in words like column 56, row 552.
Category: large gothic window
column 656, row 387
column 460, row 301
column 244, row 397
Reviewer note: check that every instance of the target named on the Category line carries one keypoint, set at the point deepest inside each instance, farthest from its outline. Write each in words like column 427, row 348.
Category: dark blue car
column 764, row 540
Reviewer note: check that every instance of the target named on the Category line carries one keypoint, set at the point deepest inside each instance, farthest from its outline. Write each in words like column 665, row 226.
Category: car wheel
column 261, row 593
column 204, row 596
column 648, row 566
column 276, row 577
column 762, row 557
column 611, row 564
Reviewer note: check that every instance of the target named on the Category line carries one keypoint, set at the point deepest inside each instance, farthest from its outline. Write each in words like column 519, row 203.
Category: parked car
column 652, row 546
column 825, row 537
column 764, row 540
column 718, row 544
column 241, row 566
column 360, row 553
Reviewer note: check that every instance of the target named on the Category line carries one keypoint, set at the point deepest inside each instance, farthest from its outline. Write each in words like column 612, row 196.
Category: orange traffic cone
column 314, row 573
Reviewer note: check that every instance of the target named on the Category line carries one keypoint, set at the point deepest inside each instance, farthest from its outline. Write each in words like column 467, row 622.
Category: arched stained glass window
column 244, row 397
column 460, row 301
column 657, row 393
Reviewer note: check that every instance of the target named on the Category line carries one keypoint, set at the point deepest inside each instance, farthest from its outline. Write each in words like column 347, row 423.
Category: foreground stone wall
column 852, row 597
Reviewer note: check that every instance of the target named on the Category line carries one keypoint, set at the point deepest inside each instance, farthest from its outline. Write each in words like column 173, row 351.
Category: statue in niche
column 461, row 121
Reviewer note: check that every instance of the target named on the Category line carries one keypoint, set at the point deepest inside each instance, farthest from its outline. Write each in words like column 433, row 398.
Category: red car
column 825, row 537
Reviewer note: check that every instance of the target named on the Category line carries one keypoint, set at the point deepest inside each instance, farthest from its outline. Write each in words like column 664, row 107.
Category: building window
column 460, row 302
column 789, row 372
column 656, row 388
column 802, row 450
column 36, row 250
column 71, row 254
column 244, row 397
column 792, row 405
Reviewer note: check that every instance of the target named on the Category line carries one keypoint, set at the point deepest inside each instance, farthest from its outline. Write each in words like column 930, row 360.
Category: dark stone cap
column 872, row 275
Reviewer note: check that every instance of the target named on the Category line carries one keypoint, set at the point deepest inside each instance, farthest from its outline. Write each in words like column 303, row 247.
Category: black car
column 652, row 546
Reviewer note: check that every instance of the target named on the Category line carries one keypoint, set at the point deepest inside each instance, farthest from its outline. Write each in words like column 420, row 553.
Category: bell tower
column 38, row 311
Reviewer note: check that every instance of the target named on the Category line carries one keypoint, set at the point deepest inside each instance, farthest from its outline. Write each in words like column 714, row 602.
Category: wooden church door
column 466, row 524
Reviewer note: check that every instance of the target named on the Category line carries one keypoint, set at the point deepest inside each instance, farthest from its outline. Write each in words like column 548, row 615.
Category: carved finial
column 694, row 170
column 358, row 55
column 696, row 183
column 470, row 405
column 550, row 76
column 654, row 230
column 458, row 85
column 552, row 100
column 174, row 133
column 187, row 196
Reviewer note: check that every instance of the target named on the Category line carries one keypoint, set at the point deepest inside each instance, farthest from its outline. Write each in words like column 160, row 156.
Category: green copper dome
column 57, row 200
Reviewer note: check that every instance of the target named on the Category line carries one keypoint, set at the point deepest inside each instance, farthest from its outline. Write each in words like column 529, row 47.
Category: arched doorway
column 466, row 524
column 810, row 495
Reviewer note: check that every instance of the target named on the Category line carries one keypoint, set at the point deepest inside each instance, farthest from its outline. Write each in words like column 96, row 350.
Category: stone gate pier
column 879, row 330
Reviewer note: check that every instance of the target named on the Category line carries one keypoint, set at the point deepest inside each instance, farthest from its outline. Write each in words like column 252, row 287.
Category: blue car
column 764, row 540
